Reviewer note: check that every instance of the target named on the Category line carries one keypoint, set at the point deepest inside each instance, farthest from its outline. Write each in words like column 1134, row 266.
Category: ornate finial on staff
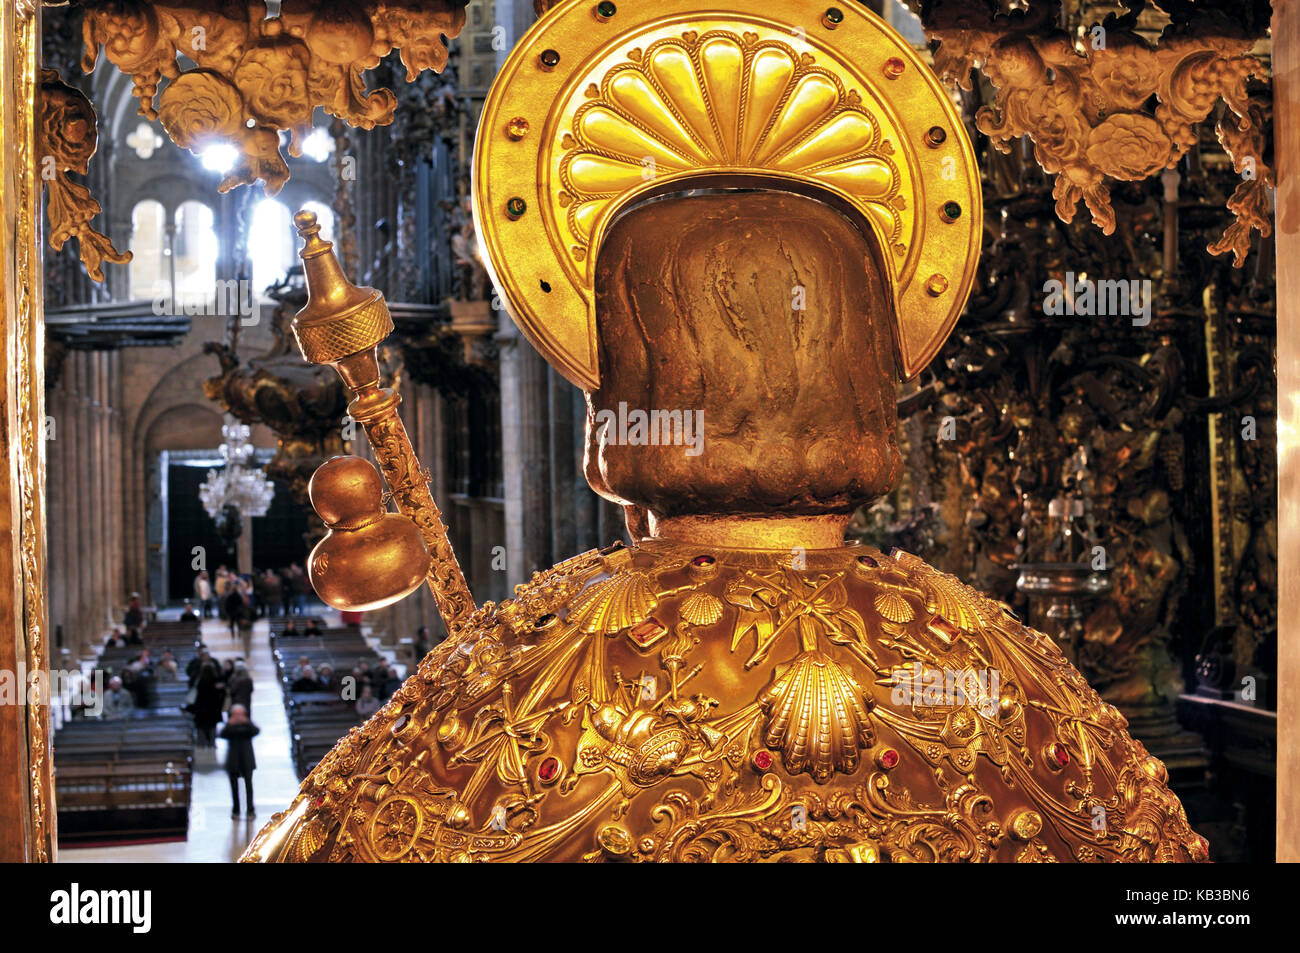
column 343, row 326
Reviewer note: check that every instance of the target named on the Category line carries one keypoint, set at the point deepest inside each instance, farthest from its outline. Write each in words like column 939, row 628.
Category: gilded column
column 27, row 813
column 1286, row 72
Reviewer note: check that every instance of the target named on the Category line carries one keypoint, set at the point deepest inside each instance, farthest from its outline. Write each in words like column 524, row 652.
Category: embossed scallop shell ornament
column 723, row 101
column 700, row 608
column 613, row 604
column 893, row 607
column 816, row 717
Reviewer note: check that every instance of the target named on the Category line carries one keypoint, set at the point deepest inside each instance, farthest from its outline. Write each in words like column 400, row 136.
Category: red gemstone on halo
column 1058, row 754
column 548, row 770
column 702, row 561
column 888, row 758
column 894, row 67
column 763, row 759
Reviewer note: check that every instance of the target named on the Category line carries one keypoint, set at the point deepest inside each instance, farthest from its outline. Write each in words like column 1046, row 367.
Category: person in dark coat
column 306, row 681
column 240, row 763
column 235, row 607
column 240, row 688
column 209, row 696
column 134, row 617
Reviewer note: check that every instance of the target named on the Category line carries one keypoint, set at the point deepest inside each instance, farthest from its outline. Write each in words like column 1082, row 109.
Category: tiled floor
column 214, row 837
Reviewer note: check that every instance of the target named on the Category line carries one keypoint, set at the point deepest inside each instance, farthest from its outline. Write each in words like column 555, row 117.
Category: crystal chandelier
column 238, row 485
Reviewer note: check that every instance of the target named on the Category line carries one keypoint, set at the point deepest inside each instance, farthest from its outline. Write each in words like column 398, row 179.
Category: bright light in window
column 220, row 158
column 271, row 243
column 319, row 145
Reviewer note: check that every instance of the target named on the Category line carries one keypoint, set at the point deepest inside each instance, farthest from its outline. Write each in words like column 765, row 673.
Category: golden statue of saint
column 736, row 231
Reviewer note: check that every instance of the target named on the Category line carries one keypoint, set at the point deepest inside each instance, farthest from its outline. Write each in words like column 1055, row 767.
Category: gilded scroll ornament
column 255, row 75
column 1084, row 101
column 68, row 138
column 808, row 757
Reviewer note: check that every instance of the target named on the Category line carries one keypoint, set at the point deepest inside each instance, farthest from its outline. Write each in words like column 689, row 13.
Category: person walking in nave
column 209, row 696
column 301, row 588
column 286, row 589
column 239, row 733
column 203, row 593
column 222, row 589
column 244, row 624
column 240, row 687
column 274, row 589
column 234, row 607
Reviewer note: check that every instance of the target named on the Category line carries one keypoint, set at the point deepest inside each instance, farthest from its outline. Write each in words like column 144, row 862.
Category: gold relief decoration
column 817, row 717
column 614, row 604
column 1084, row 103
column 67, row 139
column 25, row 623
column 662, row 97
column 256, row 75
column 547, row 741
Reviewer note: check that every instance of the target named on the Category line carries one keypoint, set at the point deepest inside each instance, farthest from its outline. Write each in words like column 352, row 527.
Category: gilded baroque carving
column 534, row 735
column 1085, row 100
column 255, row 76
column 27, row 617
column 68, row 137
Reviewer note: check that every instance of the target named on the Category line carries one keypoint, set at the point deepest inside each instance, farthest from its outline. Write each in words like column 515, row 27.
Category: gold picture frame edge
column 27, row 807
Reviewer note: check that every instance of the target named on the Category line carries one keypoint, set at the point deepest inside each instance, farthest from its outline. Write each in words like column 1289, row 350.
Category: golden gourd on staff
column 767, row 219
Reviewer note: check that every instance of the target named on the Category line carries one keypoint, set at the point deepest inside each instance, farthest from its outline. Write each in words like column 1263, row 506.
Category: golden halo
column 602, row 105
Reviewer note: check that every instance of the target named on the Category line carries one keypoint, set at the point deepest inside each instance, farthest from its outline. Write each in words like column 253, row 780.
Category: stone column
column 586, row 503
column 565, row 475
column 85, row 487
column 525, row 397
column 243, row 552
column 117, row 544
column 56, row 519
column 98, row 503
